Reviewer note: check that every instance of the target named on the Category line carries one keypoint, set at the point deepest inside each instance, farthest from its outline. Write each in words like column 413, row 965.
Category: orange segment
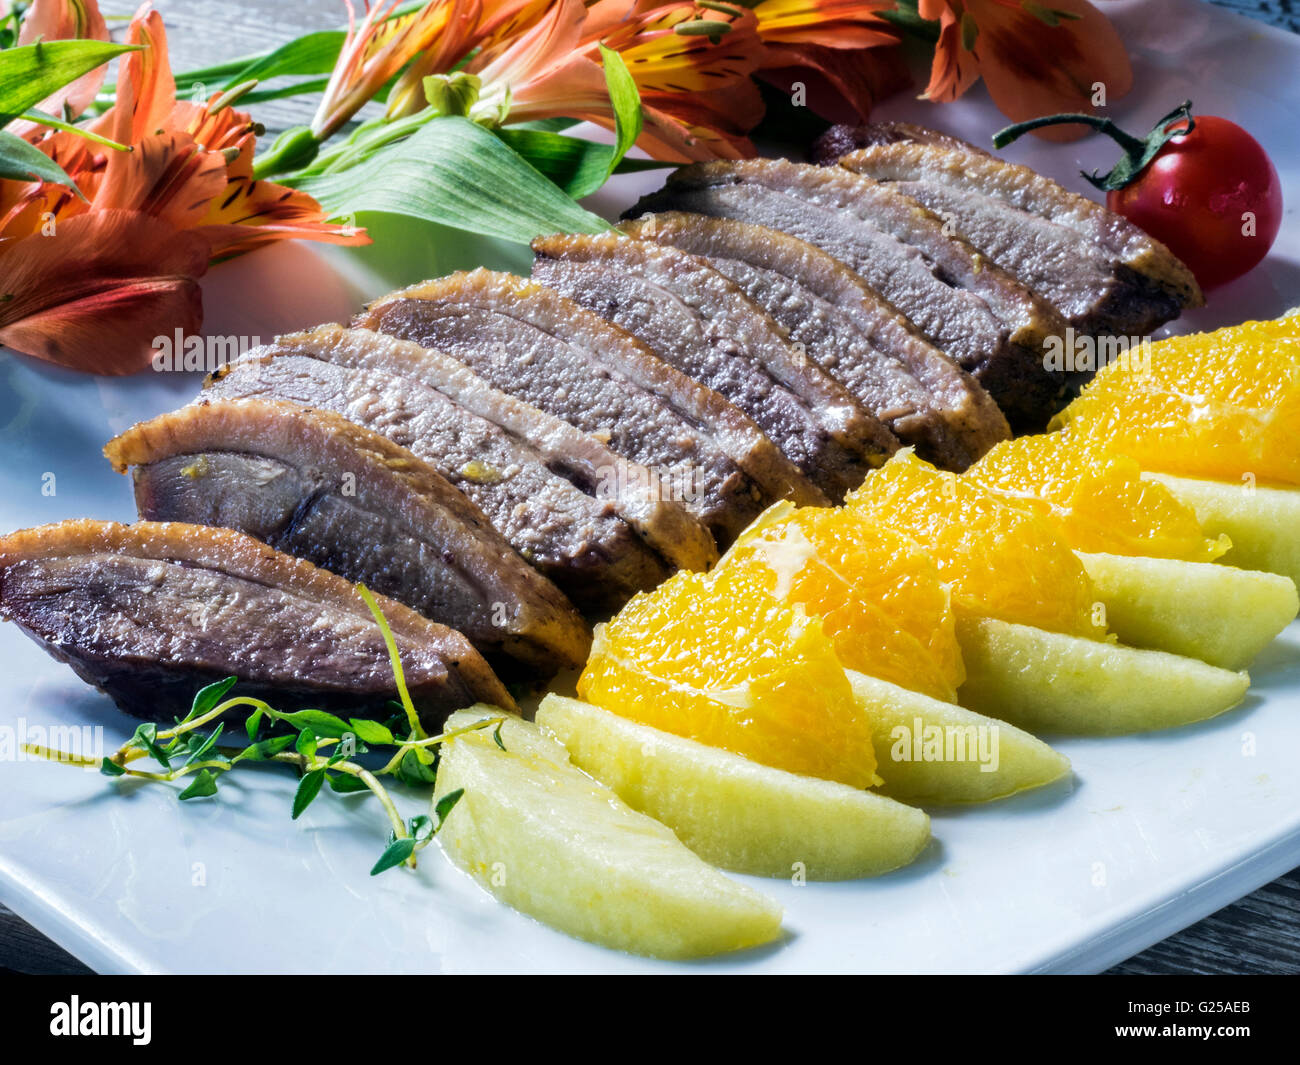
column 1000, row 559
column 879, row 595
column 1097, row 499
column 719, row 660
column 1222, row 405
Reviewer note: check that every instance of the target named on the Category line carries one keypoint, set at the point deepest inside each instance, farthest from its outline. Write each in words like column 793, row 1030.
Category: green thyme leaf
column 203, row 784
column 201, row 745
column 305, row 744
column 411, row 770
column 265, row 749
column 322, row 724
column 206, row 699
column 345, row 783
column 146, row 736
column 445, row 805
column 111, row 769
column 371, row 731
column 394, row 854
column 308, row 788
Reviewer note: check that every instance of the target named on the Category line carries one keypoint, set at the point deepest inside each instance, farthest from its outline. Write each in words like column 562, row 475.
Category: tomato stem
column 1138, row 151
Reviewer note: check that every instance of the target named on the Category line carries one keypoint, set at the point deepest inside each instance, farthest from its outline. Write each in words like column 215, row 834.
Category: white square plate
column 1153, row 832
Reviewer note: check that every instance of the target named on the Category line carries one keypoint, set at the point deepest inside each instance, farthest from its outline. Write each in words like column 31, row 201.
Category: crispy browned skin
column 554, row 354
column 925, row 398
column 1104, row 273
column 970, row 307
column 698, row 320
column 838, row 141
column 315, row 485
column 550, row 489
column 152, row 611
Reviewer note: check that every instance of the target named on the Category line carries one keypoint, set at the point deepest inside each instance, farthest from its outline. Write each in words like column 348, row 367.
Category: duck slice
column 530, row 341
column 315, row 485
column 550, row 490
column 969, row 306
column 1102, row 272
column 839, row 140
column 926, row 399
column 693, row 317
column 151, row 612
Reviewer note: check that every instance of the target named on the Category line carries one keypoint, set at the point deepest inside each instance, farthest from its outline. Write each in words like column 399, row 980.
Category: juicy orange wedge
column 1000, row 559
column 879, row 595
column 719, row 660
column 1223, row 405
column 1097, row 498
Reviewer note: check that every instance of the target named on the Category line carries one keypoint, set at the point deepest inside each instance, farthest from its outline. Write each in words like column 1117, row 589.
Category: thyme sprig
column 321, row 746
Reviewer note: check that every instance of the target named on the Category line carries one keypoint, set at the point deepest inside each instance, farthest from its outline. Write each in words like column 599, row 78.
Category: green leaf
column 626, row 101
column 578, row 166
column 496, row 735
column 206, row 699
column 20, row 161
column 265, row 750
column 549, row 125
column 421, row 828
column 111, row 769
column 305, row 744
column 146, row 736
column 203, row 785
column 410, row 770
column 301, row 87
column 368, row 731
column 457, row 174
column 31, row 73
column 346, row 783
column 201, row 745
column 253, row 725
column 321, row 723
column 445, row 805
column 394, row 854
column 313, row 53
column 308, row 789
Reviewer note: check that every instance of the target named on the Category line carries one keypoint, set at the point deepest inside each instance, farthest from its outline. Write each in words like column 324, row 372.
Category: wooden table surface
column 1258, row 934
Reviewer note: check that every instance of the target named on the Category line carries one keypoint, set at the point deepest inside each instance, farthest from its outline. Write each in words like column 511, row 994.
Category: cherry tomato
column 1212, row 195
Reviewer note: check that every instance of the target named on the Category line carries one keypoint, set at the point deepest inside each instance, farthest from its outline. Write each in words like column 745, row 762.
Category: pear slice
column 1262, row 522
column 739, row 814
column 547, row 839
column 1049, row 682
column 936, row 753
column 1219, row 614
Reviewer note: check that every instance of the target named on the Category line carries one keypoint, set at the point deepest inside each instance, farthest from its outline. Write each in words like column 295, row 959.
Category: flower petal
column 95, row 295
column 850, row 24
column 840, row 86
column 146, row 90
column 1033, row 69
column 63, row 20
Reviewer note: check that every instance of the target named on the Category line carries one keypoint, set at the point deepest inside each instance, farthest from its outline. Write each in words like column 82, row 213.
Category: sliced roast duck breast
column 151, row 612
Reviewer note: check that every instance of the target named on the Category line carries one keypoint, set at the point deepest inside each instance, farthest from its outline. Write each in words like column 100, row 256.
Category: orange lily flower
column 376, row 49
column 1035, row 59
column 89, row 283
column 696, row 93
column 818, row 44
